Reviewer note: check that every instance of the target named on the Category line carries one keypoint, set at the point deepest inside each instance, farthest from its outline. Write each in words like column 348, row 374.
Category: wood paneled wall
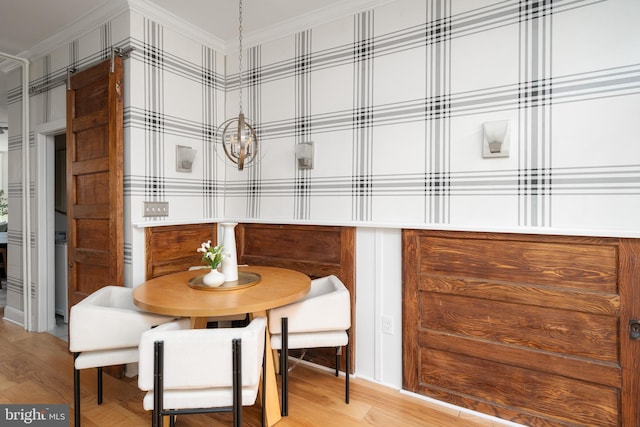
column 317, row 251
column 530, row 328
column 172, row 248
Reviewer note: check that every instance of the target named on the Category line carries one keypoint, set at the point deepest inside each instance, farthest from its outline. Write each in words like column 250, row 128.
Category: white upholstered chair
column 188, row 371
column 321, row 319
column 105, row 330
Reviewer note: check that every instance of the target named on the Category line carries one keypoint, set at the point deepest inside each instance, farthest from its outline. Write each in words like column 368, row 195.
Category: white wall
column 378, row 294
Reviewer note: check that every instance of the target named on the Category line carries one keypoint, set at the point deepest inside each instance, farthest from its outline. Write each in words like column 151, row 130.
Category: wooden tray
column 245, row 279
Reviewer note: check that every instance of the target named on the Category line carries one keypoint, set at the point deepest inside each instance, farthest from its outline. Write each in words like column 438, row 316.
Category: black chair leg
column 338, row 361
column 264, row 386
column 284, row 366
column 237, row 382
column 347, row 369
column 158, row 383
column 76, row 392
column 100, row 386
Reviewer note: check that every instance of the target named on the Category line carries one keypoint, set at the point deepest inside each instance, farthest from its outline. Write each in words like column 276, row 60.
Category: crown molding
column 110, row 9
column 252, row 38
column 304, row 22
column 92, row 19
column 9, row 62
column 176, row 23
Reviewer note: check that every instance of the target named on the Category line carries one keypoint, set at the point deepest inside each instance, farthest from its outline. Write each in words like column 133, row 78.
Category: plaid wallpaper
column 394, row 99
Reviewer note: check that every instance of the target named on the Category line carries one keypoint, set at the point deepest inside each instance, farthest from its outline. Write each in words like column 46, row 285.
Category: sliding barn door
column 94, row 179
column 533, row 329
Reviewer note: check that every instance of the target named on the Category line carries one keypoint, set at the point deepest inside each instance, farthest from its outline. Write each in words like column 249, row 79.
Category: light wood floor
column 36, row 368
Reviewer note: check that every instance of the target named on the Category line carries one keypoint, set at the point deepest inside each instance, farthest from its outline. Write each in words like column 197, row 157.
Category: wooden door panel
column 95, row 235
column 93, row 189
column 90, row 144
column 538, row 263
column 94, row 258
column 546, row 296
column 93, row 270
column 535, row 393
column 607, row 374
column 548, row 329
column 530, row 328
column 87, row 124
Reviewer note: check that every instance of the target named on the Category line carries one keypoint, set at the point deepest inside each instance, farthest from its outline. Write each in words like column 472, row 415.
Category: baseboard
column 14, row 316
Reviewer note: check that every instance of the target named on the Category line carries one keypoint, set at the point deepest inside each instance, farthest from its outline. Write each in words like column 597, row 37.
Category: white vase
column 230, row 261
column 213, row 278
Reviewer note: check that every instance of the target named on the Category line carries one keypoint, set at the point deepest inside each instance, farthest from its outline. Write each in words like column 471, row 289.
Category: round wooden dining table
column 180, row 294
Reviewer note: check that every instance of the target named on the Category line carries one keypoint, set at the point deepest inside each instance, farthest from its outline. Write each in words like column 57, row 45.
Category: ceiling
column 25, row 23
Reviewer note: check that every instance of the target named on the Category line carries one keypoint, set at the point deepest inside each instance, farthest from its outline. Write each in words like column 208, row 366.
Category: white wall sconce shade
column 184, row 158
column 304, row 155
column 495, row 140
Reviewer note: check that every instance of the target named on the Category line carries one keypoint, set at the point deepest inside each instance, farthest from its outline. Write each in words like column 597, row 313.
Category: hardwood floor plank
column 38, row 368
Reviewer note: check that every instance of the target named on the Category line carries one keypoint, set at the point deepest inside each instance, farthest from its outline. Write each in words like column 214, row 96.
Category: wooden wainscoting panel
column 315, row 250
column 584, row 266
column 563, row 331
column 530, row 328
column 172, row 248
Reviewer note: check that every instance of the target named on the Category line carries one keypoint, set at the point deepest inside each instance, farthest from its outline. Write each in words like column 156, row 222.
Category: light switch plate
column 155, row 209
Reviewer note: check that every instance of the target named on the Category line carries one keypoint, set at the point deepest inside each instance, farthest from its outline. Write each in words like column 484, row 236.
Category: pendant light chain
column 239, row 139
column 240, row 53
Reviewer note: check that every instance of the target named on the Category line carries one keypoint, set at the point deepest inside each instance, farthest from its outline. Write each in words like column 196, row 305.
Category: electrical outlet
column 155, row 209
column 387, row 325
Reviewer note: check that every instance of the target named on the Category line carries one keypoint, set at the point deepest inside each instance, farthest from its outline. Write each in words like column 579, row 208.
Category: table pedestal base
column 272, row 401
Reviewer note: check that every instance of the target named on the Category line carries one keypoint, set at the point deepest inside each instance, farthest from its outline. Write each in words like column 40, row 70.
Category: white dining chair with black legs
column 105, row 330
column 189, row 371
column 321, row 319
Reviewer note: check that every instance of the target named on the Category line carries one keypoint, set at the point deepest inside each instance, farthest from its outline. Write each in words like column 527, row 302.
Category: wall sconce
column 495, row 139
column 304, row 155
column 184, row 158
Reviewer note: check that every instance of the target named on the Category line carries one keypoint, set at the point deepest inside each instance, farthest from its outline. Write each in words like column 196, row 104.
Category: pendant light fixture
column 239, row 139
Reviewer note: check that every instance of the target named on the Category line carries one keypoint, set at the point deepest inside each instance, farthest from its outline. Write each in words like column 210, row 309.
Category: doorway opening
column 60, row 235
column 51, row 225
